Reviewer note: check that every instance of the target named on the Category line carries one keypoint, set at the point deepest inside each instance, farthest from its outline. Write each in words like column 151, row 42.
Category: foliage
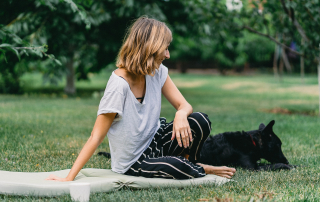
column 284, row 22
column 85, row 35
column 60, row 25
column 28, row 19
column 209, row 34
column 258, row 50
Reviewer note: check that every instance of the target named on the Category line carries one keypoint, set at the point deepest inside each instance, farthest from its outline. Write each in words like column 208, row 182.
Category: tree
column 28, row 19
column 207, row 32
column 295, row 21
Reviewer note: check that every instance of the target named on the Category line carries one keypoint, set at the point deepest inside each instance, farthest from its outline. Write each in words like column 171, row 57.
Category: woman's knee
column 200, row 120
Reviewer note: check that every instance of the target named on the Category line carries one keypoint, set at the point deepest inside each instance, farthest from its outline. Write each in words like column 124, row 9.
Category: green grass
column 45, row 132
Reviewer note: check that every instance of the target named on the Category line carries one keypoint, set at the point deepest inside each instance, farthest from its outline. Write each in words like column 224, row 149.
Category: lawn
column 45, row 132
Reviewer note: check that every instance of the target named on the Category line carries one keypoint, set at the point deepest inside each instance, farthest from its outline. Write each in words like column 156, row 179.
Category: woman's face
column 165, row 55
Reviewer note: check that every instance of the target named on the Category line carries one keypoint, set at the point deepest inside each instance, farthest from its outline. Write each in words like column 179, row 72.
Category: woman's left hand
column 181, row 129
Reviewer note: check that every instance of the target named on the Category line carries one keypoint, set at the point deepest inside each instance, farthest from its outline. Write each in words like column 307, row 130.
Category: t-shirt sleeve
column 163, row 70
column 112, row 102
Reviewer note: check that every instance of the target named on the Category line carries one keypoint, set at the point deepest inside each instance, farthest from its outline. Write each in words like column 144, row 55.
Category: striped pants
column 163, row 157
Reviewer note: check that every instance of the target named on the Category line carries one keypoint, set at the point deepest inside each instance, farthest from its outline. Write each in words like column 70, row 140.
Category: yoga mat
column 100, row 180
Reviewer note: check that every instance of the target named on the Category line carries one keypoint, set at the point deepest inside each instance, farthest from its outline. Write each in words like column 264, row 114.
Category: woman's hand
column 181, row 129
column 56, row 178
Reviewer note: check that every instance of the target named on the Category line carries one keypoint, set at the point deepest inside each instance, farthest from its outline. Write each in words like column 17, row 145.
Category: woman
column 140, row 143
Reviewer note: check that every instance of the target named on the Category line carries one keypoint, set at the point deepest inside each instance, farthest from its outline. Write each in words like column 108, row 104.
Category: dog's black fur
column 105, row 154
column 244, row 149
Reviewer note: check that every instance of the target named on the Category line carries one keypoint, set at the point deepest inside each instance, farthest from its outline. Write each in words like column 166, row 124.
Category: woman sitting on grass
column 141, row 144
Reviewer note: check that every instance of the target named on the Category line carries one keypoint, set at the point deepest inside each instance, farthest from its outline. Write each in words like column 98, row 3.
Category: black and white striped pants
column 163, row 156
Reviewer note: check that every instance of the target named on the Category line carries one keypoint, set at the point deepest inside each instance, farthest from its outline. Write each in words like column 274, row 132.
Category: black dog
column 244, row 149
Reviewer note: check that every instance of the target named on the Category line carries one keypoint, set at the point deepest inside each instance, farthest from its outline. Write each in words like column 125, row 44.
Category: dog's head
column 271, row 144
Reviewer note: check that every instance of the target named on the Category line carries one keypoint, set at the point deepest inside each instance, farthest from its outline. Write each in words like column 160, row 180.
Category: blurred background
column 242, row 62
column 46, row 46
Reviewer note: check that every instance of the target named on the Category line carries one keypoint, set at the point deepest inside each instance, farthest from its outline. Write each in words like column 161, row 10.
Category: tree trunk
column 302, row 63
column 182, row 68
column 281, row 69
column 246, row 68
column 275, row 62
column 319, row 78
column 70, row 85
column 285, row 60
column 319, row 83
column 302, row 68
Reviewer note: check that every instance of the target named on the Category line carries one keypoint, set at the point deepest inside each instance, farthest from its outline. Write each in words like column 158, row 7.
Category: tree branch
column 295, row 22
column 285, row 8
column 271, row 38
column 29, row 48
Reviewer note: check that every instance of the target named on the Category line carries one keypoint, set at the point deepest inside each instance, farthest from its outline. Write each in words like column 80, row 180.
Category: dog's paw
column 276, row 166
column 105, row 154
column 292, row 166
column 281, row 166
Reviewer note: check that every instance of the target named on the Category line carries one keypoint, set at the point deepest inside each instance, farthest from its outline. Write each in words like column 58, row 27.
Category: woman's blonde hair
column 143, row 46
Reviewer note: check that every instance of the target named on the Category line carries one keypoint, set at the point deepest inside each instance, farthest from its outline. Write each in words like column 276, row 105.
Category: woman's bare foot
column 222, row 171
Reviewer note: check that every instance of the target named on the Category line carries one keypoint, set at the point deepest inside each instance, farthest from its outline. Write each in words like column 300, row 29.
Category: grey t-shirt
column 136, row 123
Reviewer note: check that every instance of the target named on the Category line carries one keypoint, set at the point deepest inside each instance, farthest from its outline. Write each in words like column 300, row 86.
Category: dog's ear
column 268, row 128
column 261, row 126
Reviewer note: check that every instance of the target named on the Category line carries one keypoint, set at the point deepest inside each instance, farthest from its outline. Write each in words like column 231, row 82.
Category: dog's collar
column 253, row 142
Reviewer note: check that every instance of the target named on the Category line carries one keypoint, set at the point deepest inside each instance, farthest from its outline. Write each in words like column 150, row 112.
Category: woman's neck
column 132, row 79
column 135, row 78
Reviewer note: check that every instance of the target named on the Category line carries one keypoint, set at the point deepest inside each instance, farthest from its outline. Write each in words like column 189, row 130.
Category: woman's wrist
column 185, row 109
column 69, row 178
column 181, row 112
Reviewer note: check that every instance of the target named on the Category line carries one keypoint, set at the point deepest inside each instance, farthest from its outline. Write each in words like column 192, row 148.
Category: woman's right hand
column 56, row 178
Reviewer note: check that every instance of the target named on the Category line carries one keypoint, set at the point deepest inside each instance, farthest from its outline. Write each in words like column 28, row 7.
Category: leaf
column 81, row 11
column 83, row 15
column 58, row 62
column 18, row 40
column 16, row 52
column 207, row 29
column 73, row 5
column 25, row 52
column 44, row 48
column 37, row 52
column 5, row 45
column 49, row 4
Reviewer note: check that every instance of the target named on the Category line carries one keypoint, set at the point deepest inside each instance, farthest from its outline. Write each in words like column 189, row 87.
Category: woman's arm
column 181, row 129
column 98, row 133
